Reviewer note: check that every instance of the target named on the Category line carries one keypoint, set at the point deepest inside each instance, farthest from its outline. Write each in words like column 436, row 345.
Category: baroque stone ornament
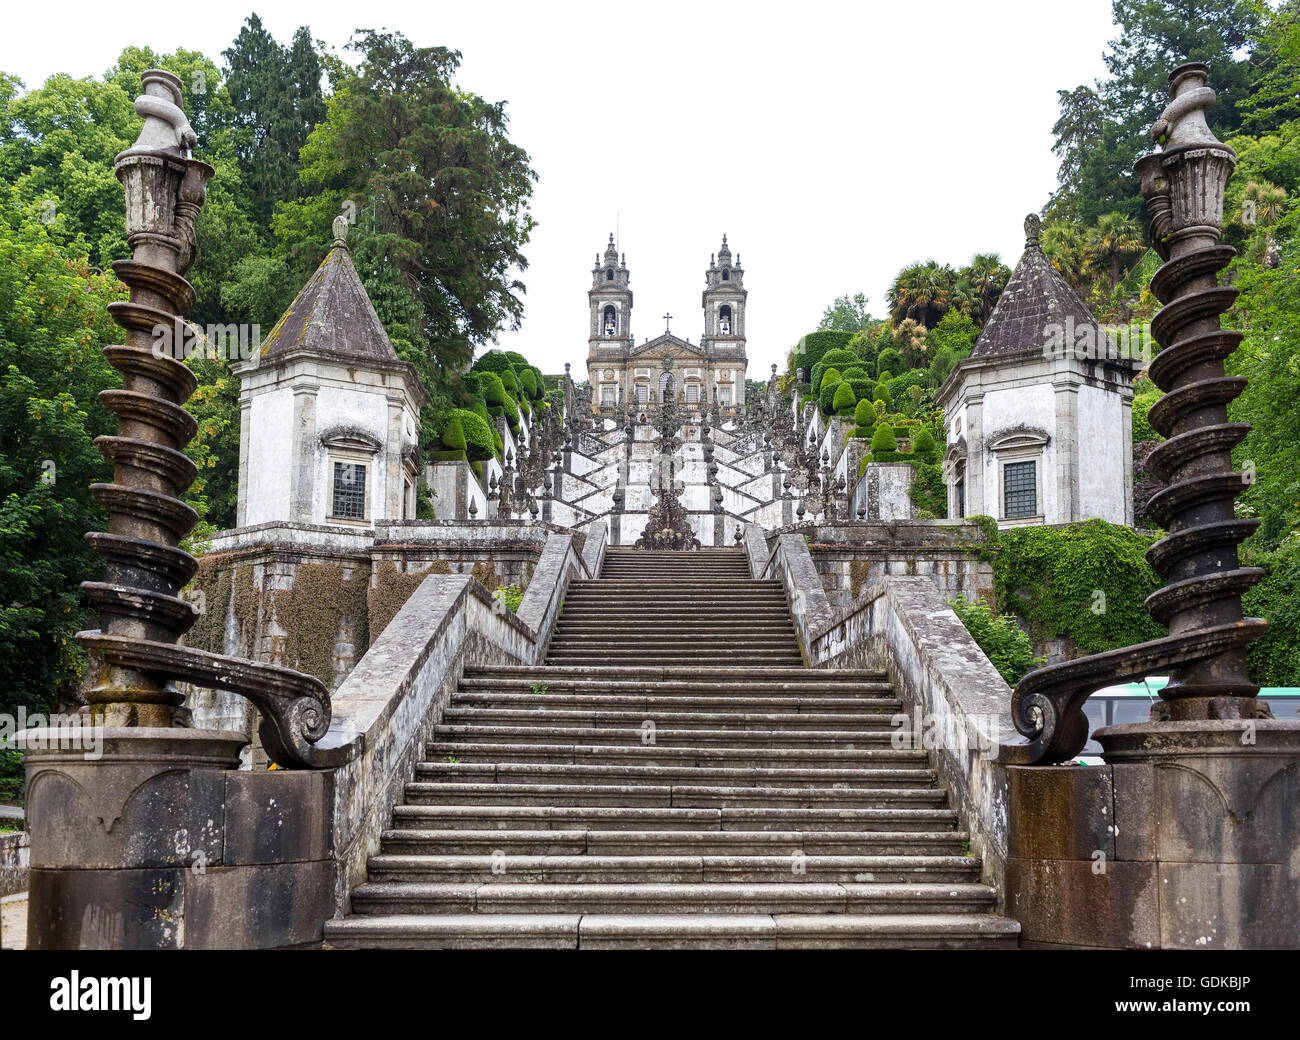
column 668, row 526
column 135, row 652
column 1205, row 652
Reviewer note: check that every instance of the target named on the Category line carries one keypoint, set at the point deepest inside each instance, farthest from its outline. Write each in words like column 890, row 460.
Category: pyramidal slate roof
column 1035, row 297
column 332, row 314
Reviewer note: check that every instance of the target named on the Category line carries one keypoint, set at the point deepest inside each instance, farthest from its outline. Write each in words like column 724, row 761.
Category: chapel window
column 349, row 500
column 1019, row 490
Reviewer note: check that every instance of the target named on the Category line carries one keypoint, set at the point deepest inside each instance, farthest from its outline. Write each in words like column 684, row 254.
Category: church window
column 961, row 497
column 724, row 395
column 1019, row 490
column 642, row 393
column 611, row 321
column 607, row 395
column 692, row 393
column 609, row 275
column 349, row 491
column 726, row 276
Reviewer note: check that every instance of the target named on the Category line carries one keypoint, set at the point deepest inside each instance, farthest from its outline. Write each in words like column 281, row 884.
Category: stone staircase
column 672, row 777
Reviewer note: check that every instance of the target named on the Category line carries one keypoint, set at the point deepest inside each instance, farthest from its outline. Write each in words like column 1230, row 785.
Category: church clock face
column 609, row 373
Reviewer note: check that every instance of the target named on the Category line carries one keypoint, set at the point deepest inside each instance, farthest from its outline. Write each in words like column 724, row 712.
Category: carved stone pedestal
column 151, row 838
column 1187, row 838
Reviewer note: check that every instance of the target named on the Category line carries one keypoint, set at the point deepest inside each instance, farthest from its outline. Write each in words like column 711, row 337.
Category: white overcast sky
column 832, row 142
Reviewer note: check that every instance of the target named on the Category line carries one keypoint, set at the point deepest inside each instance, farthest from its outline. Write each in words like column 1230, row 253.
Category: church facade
column 667, row 367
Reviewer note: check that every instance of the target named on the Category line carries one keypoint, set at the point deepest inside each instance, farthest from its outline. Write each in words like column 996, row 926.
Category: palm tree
column 1064, row 244
column 1269, row 200
column 1116, row 240
column 921, row 292
column 982, row 282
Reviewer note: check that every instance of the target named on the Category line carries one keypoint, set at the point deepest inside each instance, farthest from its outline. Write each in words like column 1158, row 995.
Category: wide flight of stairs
column 672, row 777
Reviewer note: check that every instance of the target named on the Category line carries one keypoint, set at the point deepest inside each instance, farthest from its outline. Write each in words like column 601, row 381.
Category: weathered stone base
column 1187, row 838
column 162, row 843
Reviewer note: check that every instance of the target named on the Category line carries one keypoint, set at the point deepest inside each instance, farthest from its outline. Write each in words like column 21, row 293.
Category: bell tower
column 724, row 300
column 724, row 327
column 611, row 301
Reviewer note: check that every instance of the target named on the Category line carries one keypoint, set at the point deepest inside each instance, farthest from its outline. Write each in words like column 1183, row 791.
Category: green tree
column 276, row 98
column 53, row 326
column 441, row 195
column 847, row 314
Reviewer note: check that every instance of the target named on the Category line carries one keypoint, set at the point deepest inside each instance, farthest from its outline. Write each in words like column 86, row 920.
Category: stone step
column 702, row 931
column 717, row 599
column 758, row 656
column 548, row 715
column 660, row 754
column 637, row 585
column 757, row 687
column 613, row 638
column 430, row 792
column 769, row 897
column 639, row 818
column 669, row 673
column 672, row 626
column 666, row 737
column 590, row 869
column 419, row 842
column 553, row 699
column 540, row 772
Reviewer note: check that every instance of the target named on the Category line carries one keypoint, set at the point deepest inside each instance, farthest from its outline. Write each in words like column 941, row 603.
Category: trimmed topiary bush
column 844, row 401
column 494, row 391
column 924, row 448
column 864, row 414
column 493, row 361
column 453, row 434
column 882, row 395
column 826, row 398
column 890, row 360
column 528, row 383
column 479, row 438
column 883, row 439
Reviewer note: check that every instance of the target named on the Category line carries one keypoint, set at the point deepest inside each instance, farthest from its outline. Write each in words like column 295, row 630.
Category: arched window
column 610, row 322
column 724, row 320
column 726, row 276
column 609, row 275
column 666, row 389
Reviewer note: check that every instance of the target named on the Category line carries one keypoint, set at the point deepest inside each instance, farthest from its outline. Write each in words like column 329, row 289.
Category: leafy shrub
column 890, row 360
column 1085, row 582
column 1275, row 659
column 929, row 492
column 528, row 383
column 509, row 596
column 844, row 401
column 863, row 413
column 1004, row 642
